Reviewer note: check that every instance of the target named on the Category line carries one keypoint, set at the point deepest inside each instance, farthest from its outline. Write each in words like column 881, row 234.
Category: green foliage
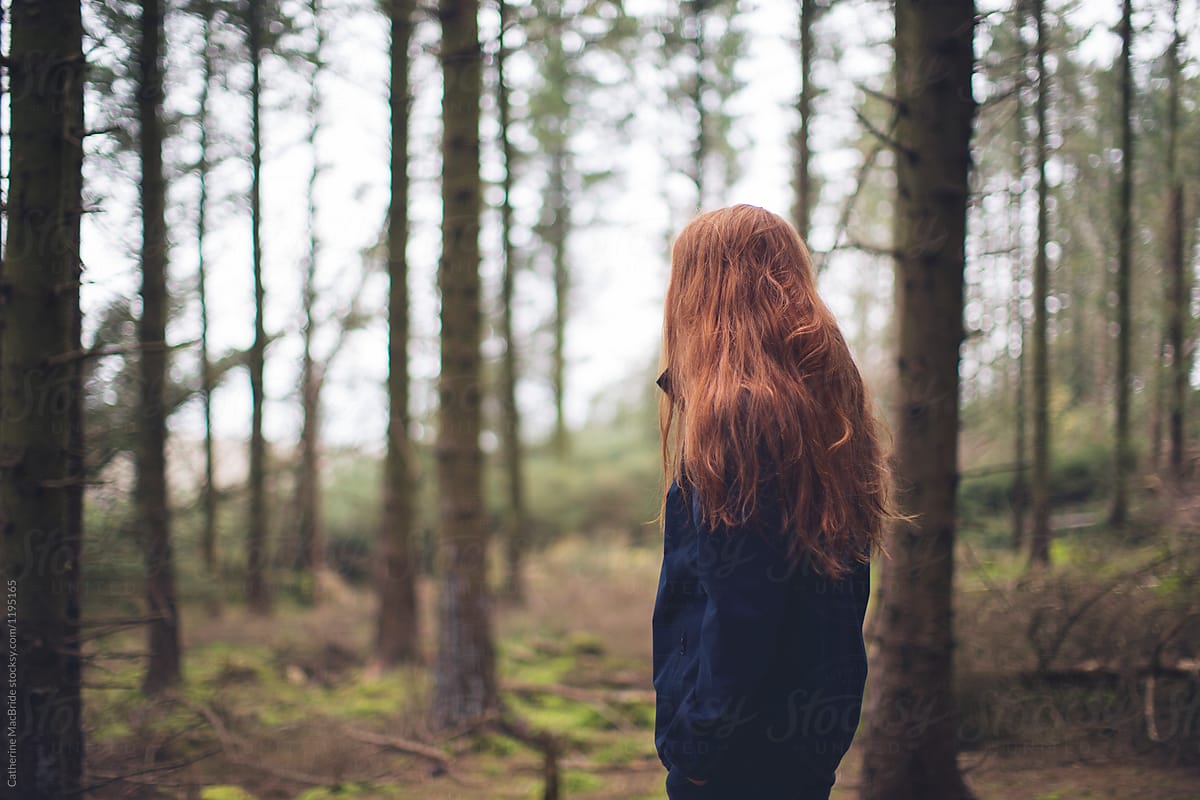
column 1078, row 476
column 1080, row 457
column 352, row 501
column 614, row 480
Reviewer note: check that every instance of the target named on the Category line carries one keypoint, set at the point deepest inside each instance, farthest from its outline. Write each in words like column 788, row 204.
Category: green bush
column 1078, row 476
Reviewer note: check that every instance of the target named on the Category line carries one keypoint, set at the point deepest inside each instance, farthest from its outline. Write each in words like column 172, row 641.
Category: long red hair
column 765, row 393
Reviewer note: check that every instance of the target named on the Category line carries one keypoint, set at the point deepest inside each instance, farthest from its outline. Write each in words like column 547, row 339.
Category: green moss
column 545, row 670
column 574, row 780
column 498, row 744
column 573, row 721
column 348, row 791
column 1172, row 585
column 110, row 730
column 640, row 713
column 585, row 643
column 225, row 792
column 379, row 699
column 623, row 750
column 224, row 664
column 1065, row 551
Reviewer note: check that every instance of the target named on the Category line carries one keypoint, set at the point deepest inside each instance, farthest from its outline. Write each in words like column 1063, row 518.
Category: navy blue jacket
column 759, row 664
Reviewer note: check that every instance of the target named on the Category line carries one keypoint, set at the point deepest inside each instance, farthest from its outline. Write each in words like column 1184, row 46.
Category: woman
column 777, row 498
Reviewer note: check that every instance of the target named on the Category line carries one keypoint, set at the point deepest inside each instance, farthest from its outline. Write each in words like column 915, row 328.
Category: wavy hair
column 761, row 394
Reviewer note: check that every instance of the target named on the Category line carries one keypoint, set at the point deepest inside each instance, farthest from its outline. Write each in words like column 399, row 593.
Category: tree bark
column 803, row 187
column 163, row 667
column 1178, row 289
column 257, row 595
column 465, row 676
column 310, row 538
column 909, row 742
column 558, row 231
column 1122, row 452
column 695, row 10
column 1020, row 478
column 41, row 409
column 515, row 519
column 397, row 634
column 556, row 216
column 208, row 537
column 1039, row 539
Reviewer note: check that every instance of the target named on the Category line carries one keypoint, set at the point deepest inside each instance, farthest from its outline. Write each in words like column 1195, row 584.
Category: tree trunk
column 515, row 521
column 562, row 292
column 397, row 633
column 257, row 596
column 3, row 27
column 163, row 667
column 208, row 537
column 1122, row 452
column 310, row 539
column 1178, row 290
column 465, row 676
column 906, row 757
column 41, row 424
column 1039, row 540
column 803, row 187
column 1020, row 478
column 695, row 9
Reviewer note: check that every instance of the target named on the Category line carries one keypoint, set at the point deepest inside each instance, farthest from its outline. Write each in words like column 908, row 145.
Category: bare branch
column 885, row 138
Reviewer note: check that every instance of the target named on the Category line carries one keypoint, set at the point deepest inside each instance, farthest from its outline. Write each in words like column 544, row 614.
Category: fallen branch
column 581, row 694
column 233, row 748
column 1046, row 654
column 130, row 776
column 403, row 745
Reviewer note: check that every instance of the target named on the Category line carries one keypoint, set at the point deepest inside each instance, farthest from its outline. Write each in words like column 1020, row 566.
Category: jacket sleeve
column 743, row 573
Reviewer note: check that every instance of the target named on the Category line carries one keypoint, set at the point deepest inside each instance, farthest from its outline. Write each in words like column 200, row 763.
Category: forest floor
column 281, row 708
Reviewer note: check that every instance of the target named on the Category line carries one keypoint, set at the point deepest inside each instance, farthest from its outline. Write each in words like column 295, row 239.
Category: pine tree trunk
column 208, row 537
column 1122, row 452
column 555, row 223
column 41, row 408
column 397, row 634
column 257, row 596
column 905, row 756
column 3, row 27
column 803, row 188
column 1178, row 289
column 163, row 667
column 1020, row 478
column 1080, row 371
column 1039, row 539
column 515, row 521
column 465, row 676
column 310, row 540
column 562, row 290
column 695, row 9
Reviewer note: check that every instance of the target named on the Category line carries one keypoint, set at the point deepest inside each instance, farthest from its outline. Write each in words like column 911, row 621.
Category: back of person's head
column 763, row 394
